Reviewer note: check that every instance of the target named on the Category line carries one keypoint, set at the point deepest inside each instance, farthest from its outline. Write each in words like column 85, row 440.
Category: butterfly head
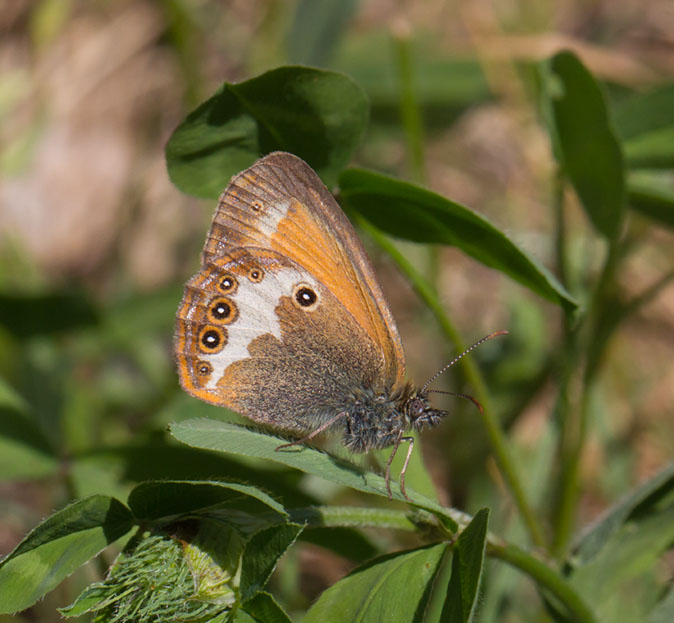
column 419, row 412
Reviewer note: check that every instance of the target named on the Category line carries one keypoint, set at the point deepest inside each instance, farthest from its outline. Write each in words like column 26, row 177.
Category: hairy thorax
column 376, row 419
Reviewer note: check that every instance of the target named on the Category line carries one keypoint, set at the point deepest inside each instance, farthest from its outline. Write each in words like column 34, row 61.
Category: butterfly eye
column 212, row 339
column 305, row 297
column 416, row 408
column 222, row 311
column 255, row 275
column 227, row 284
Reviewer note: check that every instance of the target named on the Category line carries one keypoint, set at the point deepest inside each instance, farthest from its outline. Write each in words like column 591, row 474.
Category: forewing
column 281, row 204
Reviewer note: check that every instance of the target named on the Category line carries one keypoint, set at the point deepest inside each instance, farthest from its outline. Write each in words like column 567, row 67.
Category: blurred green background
column 95, row 242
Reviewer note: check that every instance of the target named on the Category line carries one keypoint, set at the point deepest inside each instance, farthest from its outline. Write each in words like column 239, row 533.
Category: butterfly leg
column 388, row 467
column 409, row 440
column 312, row 434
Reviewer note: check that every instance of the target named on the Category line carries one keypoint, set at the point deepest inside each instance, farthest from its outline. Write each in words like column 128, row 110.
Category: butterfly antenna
column 458, row 395
column 463, row 354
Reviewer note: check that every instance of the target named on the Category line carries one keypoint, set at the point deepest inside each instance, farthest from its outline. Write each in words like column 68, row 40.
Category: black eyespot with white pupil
column 227, row 284
column 306, row 297
column 255, row 275
column 204, row 368
column 221, row 310
column 211, row 339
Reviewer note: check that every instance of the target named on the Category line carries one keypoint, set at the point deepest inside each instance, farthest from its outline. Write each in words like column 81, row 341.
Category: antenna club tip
column 497, row 333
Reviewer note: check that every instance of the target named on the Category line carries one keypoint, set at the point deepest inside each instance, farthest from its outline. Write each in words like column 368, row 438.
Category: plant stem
column 353, row 517
column 560, row 227
column 473, row 376
column 574, row 434
column 544, row 575
column 597, row 332
column 572, row 446
column 409, row 106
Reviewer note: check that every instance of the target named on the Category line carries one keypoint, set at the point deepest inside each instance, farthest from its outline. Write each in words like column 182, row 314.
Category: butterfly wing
column 249, row 334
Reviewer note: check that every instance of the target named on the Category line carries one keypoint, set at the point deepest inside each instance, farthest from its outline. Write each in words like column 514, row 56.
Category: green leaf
column 318, row 115
column 640, row 500
column 89, row 600
column 644, row 113
column 316, row 30
column 412, row 213
column 664, row 611
column 631, row 552
column 583, row 140
column 11, row 400
column 24, row 450
column 391, row 588
column 656, row 201
column 58, row 546
column 467, row 565
column 654, row 150
column 228, row 437
column 262, row 554
column 156, row 458
column 29, row 315
column 264, row 609
column 242, row 616
column 645, row 123
column 168, row 500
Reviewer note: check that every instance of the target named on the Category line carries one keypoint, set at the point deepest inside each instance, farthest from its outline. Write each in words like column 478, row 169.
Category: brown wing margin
column 280, row 203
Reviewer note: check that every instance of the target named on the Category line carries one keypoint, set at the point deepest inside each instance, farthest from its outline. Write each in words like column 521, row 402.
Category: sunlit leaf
column 390, row 588
column 227, row 437
column 318, row 115
column 413, row 213
column 58, row 546
column 467, row 564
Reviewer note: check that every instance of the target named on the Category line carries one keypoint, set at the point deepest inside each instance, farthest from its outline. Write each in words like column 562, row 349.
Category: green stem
column 568, row 364
column 540, row 572
column 575, row 423
column 560, row 227
column 574, row 434
column 596, row 334
column 353, row 517
column 473, row 376
column 546, row 577
column 605, row 283
column 409, row 106
column 592, row 367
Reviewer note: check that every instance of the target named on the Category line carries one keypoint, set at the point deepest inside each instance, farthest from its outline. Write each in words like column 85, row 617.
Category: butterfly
column 286, row 323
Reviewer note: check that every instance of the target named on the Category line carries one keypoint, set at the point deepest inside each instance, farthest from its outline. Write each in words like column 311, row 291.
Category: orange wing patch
column 304, row 240
column 280, row 203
